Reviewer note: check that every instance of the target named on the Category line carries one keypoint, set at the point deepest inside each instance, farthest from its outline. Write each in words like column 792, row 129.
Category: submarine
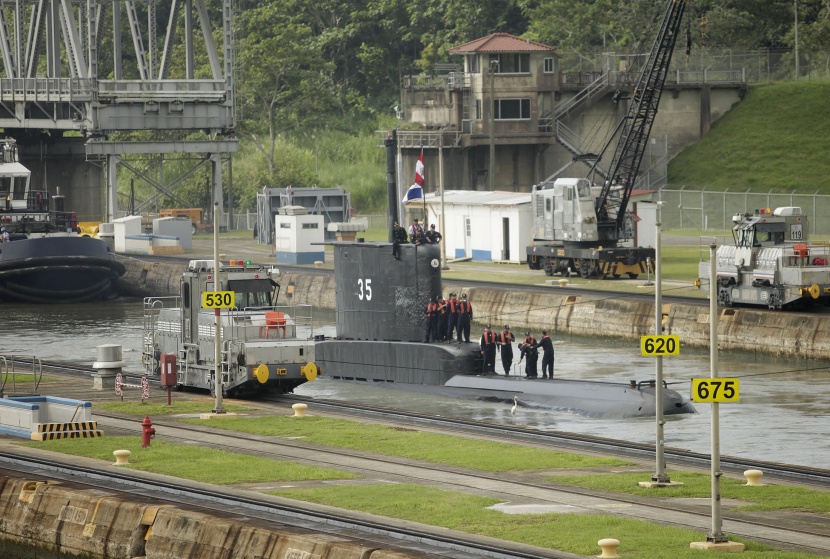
column 380, row 313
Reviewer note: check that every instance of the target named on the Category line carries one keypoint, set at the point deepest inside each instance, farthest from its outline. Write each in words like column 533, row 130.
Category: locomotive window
column 548, row 204
column 186, row 295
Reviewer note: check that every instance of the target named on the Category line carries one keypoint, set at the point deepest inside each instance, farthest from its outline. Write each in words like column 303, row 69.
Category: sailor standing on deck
column 452, row 316
column 4, row 235
column 465, row 317
column 547, row 355
column 529, row 351
column 488, row 351
column 505, row 347
column 431, row 329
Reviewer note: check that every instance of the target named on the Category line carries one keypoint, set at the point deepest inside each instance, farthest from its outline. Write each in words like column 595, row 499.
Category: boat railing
column 152, row 308
column 14, row 366
column 272, row 322
column 814, row 255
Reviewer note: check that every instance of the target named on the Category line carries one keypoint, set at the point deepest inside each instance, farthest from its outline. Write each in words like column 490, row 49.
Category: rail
column 162, row 90
column 592, row 90
column 46, row 89
column 9, row 370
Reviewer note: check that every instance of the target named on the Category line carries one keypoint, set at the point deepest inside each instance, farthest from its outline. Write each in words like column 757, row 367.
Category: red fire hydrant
column 147, row 431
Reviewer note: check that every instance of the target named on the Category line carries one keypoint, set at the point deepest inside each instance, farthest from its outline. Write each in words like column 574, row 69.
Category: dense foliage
column 318, row 74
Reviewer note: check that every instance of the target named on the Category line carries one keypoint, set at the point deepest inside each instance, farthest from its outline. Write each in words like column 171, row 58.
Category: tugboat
column 44, row 259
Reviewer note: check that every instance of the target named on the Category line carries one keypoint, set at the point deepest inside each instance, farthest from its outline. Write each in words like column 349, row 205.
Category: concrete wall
column 782, row 334
column 72, row 521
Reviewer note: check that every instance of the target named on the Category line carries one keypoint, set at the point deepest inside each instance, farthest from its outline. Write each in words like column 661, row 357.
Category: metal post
column 494, row 64
column 795, row 10
column 716, row 535
column 217, row 384
column 660, row 476
column 443, row 245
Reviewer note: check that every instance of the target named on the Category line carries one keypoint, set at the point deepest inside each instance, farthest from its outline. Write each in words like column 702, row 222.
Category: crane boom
column 636, row 126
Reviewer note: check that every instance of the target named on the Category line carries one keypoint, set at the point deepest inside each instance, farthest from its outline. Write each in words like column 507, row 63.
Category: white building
column 489, row 226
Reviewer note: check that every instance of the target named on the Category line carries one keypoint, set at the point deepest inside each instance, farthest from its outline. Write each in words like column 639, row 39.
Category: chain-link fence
column 753, row 66
column 706, row 210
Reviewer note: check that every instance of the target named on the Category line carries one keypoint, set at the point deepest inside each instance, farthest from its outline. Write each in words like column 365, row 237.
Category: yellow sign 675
column 709, row 390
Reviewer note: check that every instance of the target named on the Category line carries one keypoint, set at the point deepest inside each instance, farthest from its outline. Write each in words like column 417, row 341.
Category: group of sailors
column 415, row 235
column 528, row 349
column 448, row 319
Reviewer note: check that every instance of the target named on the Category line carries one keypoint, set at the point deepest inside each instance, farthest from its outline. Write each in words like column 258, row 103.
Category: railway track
column 278, row 513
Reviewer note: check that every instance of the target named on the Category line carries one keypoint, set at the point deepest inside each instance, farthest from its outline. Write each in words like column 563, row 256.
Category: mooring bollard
column 753, row 477
column 299, row 410
column 609, row 548
column 122, row 457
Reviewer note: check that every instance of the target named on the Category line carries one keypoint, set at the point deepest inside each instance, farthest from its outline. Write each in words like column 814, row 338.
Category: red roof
column 501, row 42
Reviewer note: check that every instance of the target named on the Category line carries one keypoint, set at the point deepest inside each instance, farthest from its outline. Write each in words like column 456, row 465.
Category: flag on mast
column 416, row 191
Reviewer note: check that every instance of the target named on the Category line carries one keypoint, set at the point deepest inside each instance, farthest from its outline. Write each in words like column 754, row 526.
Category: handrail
column 584, row 95
column 8, row 372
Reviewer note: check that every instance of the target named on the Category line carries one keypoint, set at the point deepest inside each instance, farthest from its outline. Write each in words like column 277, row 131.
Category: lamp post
column 494, row 66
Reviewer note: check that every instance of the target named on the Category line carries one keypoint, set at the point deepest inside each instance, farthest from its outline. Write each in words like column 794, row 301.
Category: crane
column 580, row 226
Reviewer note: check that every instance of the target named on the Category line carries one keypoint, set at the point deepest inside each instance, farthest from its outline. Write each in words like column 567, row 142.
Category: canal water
column 782, row 416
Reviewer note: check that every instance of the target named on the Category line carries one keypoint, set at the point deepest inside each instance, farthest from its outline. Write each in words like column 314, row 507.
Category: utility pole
column 494, row 66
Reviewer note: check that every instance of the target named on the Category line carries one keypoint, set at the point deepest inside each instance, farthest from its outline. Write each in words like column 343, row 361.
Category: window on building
column 512, row 63
column 478, row 109
column 473, row 64
column 512, row 109
column 549, row 65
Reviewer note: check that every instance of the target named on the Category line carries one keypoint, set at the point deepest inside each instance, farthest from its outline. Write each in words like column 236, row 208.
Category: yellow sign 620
column 218, row 299
column 656, row 346
column 708, row 390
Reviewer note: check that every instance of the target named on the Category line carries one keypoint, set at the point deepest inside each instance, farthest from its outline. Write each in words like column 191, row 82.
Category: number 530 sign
column 709, row 390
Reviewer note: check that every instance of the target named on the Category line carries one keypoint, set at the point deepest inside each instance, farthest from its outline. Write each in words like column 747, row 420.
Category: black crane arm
column 636, row 126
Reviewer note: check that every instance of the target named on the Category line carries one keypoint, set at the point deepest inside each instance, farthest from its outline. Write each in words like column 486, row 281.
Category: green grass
column 762, row 144
column 573, row 533
column 413, row 444
column 158, row 408
column 192, row 462
column 768, row 497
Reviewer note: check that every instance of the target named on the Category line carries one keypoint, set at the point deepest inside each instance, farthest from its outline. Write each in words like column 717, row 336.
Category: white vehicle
column 770, row 263
column 264, row 347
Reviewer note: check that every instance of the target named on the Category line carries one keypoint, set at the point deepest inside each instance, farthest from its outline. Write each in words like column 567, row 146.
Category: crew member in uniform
column 547, row 355
column 529, row 351
column 433, row 237
column 452, row 316
column 399, row 238
column 416, row 233
column 430, row 331
column 442, row 319
column 488, row 351
column 505, row 346
column 465, row 317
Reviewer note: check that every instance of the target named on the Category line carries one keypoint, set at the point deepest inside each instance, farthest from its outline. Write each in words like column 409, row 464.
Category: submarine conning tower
column 380, row 298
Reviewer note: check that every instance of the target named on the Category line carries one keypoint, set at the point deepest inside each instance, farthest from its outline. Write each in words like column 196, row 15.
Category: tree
column 281, row 75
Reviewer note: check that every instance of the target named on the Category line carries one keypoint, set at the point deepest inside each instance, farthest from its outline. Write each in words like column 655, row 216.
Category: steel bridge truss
column 65, row 67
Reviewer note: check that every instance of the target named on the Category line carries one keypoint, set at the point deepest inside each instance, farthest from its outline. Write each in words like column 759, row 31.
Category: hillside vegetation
column 777, row 139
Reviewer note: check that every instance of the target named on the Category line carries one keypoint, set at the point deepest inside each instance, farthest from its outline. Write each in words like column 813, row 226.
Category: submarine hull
column 381, row 308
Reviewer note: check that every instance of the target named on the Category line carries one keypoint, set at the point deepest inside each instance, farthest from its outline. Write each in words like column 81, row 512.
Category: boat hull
column 57, row 269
